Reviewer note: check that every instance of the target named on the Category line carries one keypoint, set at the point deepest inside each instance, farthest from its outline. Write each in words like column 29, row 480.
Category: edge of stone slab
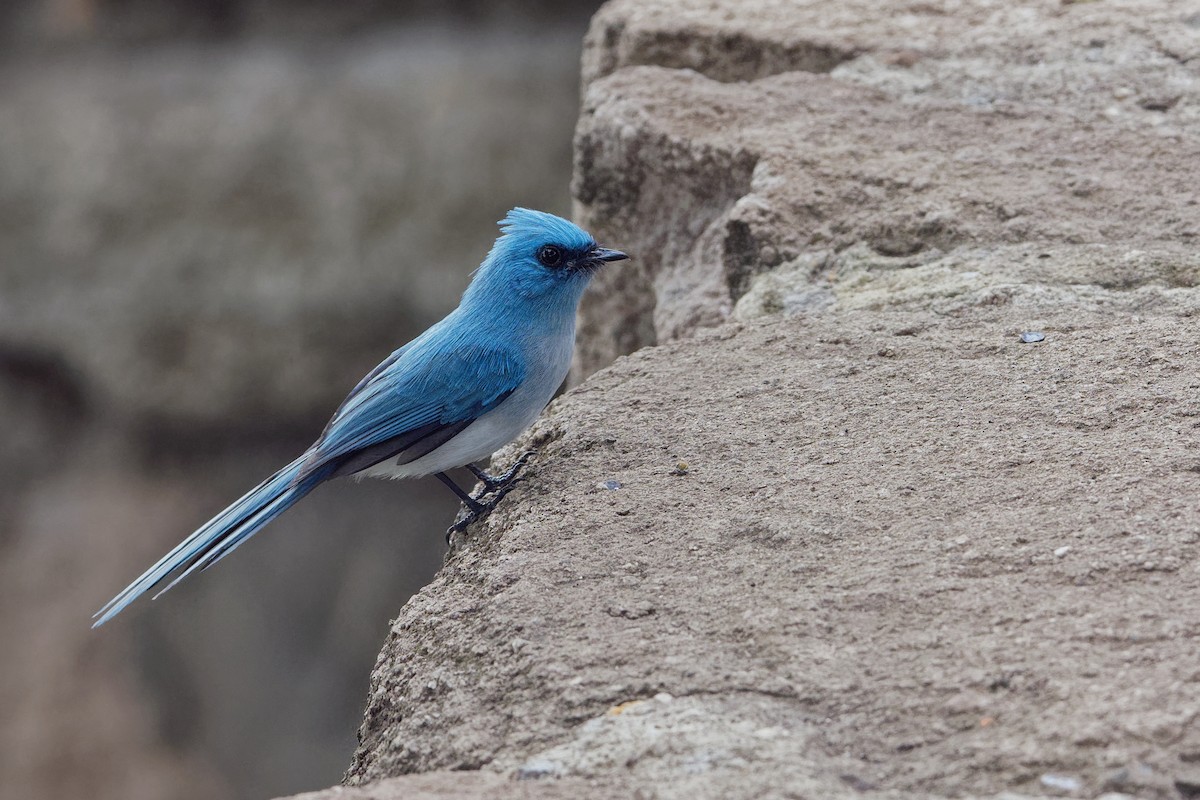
column 466, row 785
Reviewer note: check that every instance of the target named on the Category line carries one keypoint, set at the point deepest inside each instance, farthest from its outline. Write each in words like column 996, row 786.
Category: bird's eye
column 549, row 255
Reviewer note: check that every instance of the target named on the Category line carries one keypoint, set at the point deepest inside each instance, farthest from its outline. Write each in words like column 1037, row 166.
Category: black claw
column 494, row 489
column 500, row 483
column 476, row 511
column 460, row 525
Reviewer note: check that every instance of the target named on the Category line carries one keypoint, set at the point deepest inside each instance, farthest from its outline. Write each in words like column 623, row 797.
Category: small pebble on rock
column 1029, row 337
column 537, row 768
column 1061, row 783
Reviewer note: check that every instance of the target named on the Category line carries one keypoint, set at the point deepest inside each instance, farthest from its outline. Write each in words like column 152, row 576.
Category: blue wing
column 414, row 402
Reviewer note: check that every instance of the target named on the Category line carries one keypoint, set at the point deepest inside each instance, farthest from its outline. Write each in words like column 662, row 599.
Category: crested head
column 542, row 258
column 526, row 226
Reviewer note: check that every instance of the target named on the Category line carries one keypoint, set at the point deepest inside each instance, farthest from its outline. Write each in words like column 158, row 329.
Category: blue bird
column 452, row 396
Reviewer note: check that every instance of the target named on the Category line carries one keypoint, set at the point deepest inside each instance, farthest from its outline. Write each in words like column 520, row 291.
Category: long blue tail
column 219, row 537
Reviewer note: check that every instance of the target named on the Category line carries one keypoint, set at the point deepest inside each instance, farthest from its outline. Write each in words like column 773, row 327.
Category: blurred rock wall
column 214, row 217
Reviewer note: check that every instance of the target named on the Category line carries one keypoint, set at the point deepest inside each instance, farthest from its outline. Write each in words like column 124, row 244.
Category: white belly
column 497, row 427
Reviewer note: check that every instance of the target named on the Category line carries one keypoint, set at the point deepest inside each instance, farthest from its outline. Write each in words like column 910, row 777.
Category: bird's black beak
column 603, row 254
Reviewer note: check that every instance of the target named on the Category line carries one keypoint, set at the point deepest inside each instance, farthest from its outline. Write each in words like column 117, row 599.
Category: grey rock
column 712, row 180
column 808, row 657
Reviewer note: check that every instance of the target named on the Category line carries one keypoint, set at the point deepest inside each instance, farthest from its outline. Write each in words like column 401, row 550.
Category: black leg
column 476, row 507
column 477, row 510
column 494, row 489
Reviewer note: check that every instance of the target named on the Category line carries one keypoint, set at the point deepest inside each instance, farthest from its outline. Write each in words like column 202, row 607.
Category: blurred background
column 215, row 216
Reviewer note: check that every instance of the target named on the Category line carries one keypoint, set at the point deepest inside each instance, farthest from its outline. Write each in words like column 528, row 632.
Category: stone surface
column 936, row 127
column 466, row 786
column 866, row 539
column 853, row 580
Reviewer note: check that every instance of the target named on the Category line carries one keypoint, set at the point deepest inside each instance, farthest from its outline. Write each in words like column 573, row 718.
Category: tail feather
column 218, row 537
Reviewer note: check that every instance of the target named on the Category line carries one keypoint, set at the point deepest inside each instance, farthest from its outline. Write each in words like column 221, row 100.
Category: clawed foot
column 476, row 510
column 495, row 487
column 493, row 483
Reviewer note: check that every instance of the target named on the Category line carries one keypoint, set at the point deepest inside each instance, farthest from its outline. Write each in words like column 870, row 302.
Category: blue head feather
column 526, row 227
column 513, row 270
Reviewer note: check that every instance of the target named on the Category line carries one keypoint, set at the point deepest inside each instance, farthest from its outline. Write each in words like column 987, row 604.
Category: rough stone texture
column 908, row 554
column 465, row 786
column 939, row 125
column 842, row 531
